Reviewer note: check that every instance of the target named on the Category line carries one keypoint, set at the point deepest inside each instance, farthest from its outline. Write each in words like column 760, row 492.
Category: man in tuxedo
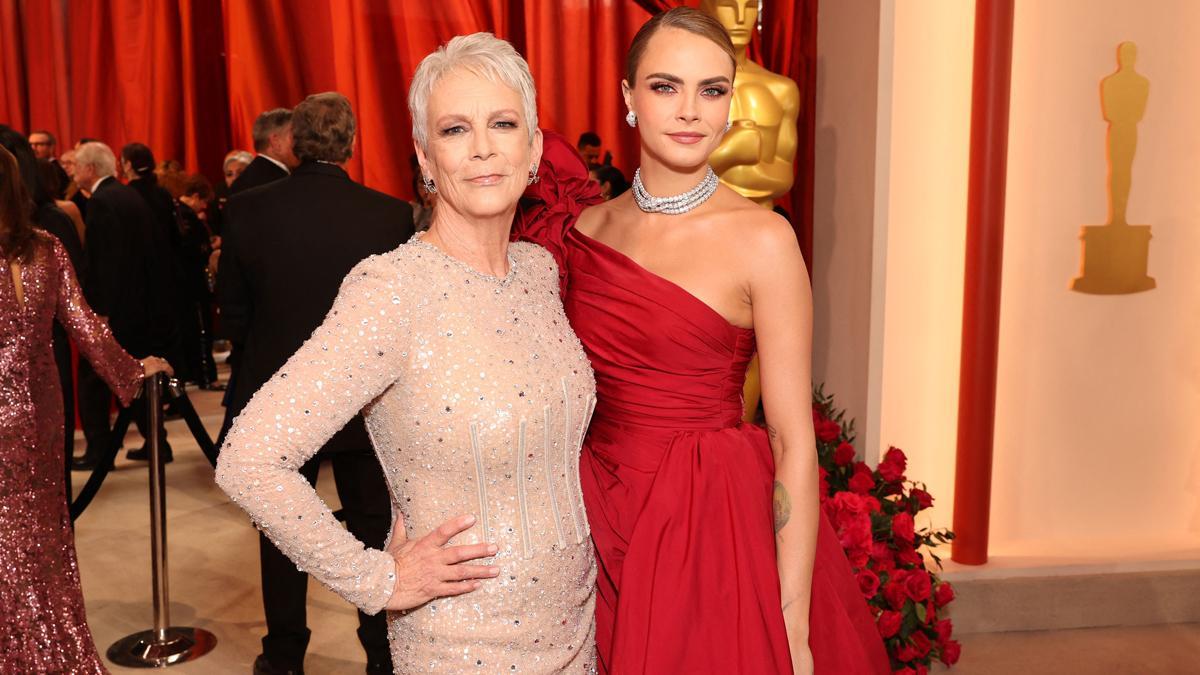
column 124, row 253
column 272, row 133
column 287, row 246
column 44, row 145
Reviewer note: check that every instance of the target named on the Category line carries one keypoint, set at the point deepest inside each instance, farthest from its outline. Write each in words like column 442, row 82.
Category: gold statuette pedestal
column 1114, row 260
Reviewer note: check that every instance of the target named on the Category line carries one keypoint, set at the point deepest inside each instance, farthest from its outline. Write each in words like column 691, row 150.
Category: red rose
column 858, row 558
column 891, row 469
column 902, row 526
column 944, row 594
column 922, row 643
column 907, row 652
column 823, row 484
column 847, row 502
column 844, row 454
column 828, row 431
column 910, row 557
column 889, row 623
column 944, row 629
column 950, row 652
column 861, row 483
column 924, row 499
column 895, row 592
column 858, row 536
column 872, row 504
column 922, row 670
column 930, row 612
column 917, row 583
column 883, row 557
column 818, row 416
column 868, row 583
column 904, row 671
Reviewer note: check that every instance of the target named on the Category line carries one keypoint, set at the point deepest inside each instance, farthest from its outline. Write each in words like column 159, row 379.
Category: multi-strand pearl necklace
column 679, row 203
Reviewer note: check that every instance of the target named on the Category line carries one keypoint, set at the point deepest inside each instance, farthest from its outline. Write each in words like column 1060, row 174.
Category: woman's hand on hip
column 427, row 568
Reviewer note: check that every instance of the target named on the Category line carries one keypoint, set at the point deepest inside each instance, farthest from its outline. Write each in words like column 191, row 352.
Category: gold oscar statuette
column 757, row 154
column 1116, row 255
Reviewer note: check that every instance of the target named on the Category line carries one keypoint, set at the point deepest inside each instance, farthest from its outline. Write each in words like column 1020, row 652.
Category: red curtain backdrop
column 120, row 71
column 188, row 77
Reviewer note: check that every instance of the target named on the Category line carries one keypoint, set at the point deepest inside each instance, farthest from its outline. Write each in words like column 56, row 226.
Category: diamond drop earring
column 728, row 126
column 631, row 118
column 429, row 186
column 533, row 177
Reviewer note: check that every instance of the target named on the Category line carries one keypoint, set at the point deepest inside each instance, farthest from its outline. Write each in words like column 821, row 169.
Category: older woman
column 475, row 391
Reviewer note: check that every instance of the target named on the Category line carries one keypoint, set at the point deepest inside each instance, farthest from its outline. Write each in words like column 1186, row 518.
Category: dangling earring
column 429, row 186
column 728, row 126
column 533, row 177
column 631, row 118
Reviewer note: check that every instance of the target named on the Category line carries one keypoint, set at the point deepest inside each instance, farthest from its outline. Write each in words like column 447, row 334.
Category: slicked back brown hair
column 684, row 18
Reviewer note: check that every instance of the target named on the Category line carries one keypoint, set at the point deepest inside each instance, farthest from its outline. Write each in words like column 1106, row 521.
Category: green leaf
column 921, row 612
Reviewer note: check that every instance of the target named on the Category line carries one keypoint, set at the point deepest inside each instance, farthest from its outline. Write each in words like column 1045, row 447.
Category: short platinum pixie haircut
column 98, row 155
column 482, row 54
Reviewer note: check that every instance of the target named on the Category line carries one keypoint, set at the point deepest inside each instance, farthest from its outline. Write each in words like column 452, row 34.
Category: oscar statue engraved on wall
column 1116, row 255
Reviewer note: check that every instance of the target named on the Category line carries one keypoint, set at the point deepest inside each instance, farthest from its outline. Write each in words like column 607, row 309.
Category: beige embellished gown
column 476, row 394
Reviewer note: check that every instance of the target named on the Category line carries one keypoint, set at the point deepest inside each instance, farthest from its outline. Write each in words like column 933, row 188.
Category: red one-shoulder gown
column 677, row 487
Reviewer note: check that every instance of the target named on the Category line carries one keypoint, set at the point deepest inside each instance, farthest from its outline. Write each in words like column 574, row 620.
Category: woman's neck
column 480, row 243
column 662, row 180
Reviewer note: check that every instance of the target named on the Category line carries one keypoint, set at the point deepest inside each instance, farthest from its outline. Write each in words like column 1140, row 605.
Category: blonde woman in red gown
column 671, row 298
column 43, row 627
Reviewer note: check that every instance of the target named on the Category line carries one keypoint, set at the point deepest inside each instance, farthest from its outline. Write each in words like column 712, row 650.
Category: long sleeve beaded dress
column 476, row 394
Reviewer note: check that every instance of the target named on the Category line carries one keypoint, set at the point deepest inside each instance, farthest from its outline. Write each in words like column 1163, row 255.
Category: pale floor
column 214, row 584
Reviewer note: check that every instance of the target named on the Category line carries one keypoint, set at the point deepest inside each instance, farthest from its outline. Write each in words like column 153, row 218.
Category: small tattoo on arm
column 783, row 506
column 772, row 433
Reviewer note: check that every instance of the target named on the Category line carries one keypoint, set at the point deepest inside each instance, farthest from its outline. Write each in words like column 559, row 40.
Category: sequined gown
column 43, row 627
column 476, row 395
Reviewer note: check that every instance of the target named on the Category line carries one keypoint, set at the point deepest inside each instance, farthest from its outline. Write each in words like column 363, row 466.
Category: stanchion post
column 164, row 645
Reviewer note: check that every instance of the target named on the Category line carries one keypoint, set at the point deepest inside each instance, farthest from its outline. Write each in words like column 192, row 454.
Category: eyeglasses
column 40, row 143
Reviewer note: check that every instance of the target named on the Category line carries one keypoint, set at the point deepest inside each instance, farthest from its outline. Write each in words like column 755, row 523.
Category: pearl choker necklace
column 679, row 203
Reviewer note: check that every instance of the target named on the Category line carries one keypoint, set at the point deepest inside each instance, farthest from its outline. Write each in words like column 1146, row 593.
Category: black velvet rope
column 124, row 417
column 103, row 465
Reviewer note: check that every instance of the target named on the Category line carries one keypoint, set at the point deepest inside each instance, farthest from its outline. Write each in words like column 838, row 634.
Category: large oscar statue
column 1116, row 255
column 756, row 157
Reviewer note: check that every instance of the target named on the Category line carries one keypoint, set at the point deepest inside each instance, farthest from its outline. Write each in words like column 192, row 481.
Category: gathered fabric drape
column 188, row 77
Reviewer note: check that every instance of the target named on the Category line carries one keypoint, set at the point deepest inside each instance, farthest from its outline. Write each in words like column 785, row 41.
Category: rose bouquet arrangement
column 873, row 512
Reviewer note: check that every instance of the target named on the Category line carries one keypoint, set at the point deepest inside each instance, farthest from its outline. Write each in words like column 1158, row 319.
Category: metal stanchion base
column 145, row 650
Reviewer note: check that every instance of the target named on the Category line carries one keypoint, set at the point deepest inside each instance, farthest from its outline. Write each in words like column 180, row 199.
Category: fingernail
column 470, row 520
column 492, row 548
column 495, row 571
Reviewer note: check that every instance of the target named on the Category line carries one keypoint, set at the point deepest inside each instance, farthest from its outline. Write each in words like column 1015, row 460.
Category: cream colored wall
column 844, row 202
column 1097, row 434
column 929, row 109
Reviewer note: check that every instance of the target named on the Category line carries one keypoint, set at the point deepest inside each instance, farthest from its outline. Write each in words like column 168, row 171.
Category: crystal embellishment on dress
column 679, row 203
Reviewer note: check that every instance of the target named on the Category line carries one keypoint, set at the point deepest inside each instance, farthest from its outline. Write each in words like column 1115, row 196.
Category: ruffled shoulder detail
column 551, row 206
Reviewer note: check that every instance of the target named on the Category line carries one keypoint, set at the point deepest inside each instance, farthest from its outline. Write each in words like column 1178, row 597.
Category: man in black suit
column 287, row 247
column 125, row 254
column 137, row 165
column 44, row 147
column 272, row 133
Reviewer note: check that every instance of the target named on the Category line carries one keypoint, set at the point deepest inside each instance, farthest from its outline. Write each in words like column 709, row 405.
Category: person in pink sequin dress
column 43, row 628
